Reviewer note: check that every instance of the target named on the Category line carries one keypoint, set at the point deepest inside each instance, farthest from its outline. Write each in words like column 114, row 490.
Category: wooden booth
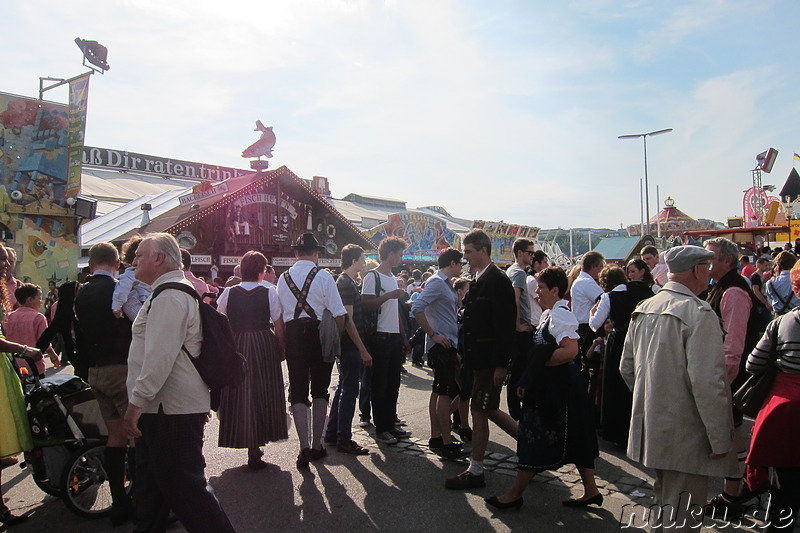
column 218, row 222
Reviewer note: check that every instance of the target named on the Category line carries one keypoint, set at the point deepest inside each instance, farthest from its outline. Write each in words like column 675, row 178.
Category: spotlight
column 94, row 52
column 766, row 159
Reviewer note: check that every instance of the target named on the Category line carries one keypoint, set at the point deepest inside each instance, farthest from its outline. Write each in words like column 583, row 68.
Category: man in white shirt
column 585, row 292
column 658, row 269
column 168, row 401
column 585, row 289
column 306, row 291
column 388, row 344
column 540, row 262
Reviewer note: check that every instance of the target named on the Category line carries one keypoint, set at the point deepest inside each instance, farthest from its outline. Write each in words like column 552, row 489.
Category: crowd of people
column 633, row 353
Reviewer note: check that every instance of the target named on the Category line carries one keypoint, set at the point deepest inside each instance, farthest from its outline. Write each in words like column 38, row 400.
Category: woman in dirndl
column 775, row 441
column 617, row 304
column 15, row 434
column 254, row 413
column 556, row 426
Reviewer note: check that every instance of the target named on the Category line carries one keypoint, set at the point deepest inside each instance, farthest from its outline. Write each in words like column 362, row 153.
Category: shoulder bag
column 751, row 395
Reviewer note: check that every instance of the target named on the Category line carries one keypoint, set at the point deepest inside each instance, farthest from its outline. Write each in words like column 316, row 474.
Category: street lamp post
column 644, row 137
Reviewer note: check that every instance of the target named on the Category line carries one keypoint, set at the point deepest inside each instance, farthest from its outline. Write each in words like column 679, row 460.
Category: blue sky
column 495, row 110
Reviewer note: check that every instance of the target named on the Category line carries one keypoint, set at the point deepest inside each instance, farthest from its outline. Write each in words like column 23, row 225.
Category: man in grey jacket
column 674, row 363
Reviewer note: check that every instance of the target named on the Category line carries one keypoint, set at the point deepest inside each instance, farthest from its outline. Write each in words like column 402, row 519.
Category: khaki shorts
column 485, row 395
column 108, row 385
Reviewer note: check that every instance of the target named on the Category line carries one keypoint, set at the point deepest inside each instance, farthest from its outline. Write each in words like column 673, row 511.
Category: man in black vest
column 489, row 322
column 734, row 302
column 104, row 351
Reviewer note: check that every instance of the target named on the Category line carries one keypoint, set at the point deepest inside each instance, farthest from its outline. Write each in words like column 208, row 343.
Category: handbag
column 751, row 395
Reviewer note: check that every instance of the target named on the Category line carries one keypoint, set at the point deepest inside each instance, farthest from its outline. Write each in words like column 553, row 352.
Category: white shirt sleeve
column 222, row 302
column 563, row 324
column 275, row 309
column 597, row 320
column 368, row 286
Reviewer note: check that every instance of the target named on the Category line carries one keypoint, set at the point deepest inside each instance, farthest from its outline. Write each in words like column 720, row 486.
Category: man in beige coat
column 681, row 423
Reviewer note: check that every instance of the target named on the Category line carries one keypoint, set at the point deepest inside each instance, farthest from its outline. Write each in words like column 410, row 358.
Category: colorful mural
column 37, row 219
column 427, row 235
column 46, row 250
column 503, row 236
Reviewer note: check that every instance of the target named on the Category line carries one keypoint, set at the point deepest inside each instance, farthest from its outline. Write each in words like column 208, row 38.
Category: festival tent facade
column 219, row 221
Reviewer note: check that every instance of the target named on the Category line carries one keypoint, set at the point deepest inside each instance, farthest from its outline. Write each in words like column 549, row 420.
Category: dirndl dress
column 253, row 413
column 15, row 432
column 556, row 425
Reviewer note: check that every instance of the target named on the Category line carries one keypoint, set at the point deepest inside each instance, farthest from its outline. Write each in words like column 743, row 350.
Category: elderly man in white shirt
column 306, row 292
column 168, row 400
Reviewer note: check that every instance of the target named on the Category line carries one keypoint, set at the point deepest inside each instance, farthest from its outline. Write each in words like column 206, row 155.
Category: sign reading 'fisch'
column 150, row 164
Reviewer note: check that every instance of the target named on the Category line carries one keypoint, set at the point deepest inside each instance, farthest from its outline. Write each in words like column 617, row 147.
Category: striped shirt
column 787, row 343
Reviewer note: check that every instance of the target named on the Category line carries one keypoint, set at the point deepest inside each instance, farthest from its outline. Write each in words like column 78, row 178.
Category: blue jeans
column 343, row 407
column 365, row 394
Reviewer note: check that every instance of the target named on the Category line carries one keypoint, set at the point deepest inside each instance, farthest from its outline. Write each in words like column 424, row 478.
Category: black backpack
column 218, row 363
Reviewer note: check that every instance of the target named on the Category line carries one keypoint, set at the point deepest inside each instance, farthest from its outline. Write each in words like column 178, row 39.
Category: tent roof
column 619, row 248
column 114, row 189
column 792, row 186
column 670, row 213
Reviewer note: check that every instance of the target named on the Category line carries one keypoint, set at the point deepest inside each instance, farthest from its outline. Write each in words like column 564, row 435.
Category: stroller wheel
column 85, row 487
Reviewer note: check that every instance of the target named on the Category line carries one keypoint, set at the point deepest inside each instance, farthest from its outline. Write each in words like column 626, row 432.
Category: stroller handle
column 31, row 364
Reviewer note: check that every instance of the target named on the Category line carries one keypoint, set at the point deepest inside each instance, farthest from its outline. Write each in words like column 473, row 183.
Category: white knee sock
column 301, row 420
column 475, row 467
column 319, row 414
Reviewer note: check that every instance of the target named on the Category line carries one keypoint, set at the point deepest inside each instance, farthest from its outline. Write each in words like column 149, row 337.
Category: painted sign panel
column 122, row 160
column 78, row 95
column 203, row 191
column 323, row 262
column 46, row 249
column 34, row 165
column 229, row 260
column 503, row 236
column 426, row 235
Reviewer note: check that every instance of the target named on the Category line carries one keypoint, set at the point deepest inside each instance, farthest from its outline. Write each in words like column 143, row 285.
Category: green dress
column 15, row 433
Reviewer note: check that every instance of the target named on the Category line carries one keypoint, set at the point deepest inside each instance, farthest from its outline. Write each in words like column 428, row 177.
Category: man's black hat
column 307, row 242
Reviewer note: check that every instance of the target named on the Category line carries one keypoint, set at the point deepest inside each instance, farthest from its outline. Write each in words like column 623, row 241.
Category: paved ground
column 396, row 488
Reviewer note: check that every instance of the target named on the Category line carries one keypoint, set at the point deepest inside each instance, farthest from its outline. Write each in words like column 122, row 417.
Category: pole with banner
column 78, row 96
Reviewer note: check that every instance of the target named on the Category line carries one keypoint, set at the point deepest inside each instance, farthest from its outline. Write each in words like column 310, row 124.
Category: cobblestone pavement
column 612, row 481
column 396, row 488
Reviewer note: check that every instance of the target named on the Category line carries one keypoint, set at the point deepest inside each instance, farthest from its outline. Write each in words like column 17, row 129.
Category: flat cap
column 683, row 258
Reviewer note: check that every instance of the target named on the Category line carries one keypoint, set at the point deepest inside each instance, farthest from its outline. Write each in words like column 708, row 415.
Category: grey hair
column 727, row 251
column 167, row 245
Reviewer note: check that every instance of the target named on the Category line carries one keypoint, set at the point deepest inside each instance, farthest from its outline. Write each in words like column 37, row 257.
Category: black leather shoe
column 597, row 500
column 497, row 504
column 303, row 458
column 316, row 455
column 9, row 519
column 256, row 464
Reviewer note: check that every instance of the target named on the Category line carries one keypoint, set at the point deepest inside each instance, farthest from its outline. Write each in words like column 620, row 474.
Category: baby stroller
column 69, row 438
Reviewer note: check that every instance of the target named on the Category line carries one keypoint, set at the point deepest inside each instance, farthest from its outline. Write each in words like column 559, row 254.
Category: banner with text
column 78, row 95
